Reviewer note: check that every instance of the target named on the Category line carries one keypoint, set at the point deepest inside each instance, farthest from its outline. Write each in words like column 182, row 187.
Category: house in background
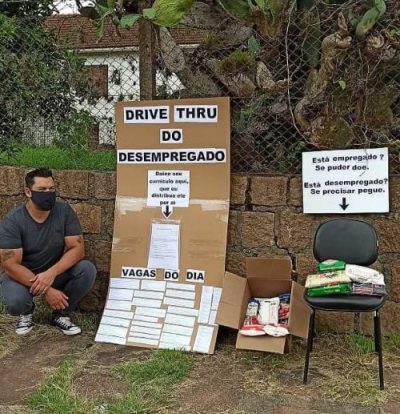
column 113, row 64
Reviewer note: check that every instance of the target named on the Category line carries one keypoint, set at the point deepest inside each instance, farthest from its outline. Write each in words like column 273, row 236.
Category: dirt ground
column 229, row 381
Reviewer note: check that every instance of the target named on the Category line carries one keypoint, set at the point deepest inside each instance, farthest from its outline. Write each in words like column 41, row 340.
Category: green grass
column 360, row 344
column 151, row 385
column 58, row 158
column 152, row 381
column 54, row 396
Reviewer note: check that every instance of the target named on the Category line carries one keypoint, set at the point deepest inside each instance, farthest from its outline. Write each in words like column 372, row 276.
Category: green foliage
column 29, row 10
column 370, row 18
column 253, row 46
column 74, row 131
column 62, row 158
column 236, row 62
column 37, row 79
column 54, row 395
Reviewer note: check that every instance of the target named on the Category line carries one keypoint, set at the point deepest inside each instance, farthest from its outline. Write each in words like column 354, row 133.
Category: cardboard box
column 265, row 278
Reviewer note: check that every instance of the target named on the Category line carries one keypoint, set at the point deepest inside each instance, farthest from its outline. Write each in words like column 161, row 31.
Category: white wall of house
column 123, row 85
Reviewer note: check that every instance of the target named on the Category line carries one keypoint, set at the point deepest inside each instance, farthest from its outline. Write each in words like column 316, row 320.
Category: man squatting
column 42, row 251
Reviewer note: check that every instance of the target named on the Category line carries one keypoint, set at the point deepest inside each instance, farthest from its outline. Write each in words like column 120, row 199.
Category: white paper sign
column 346, row 181
column 164, row 246
column 168, row 187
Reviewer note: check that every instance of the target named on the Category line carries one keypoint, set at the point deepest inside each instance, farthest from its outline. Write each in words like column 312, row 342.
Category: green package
column 339, row 289
column 331, row 265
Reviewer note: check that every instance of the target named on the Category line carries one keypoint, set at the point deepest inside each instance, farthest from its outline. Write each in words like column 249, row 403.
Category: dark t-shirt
column 42, row 243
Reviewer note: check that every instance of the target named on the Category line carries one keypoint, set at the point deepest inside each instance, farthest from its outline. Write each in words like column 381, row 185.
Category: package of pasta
column 327, row 278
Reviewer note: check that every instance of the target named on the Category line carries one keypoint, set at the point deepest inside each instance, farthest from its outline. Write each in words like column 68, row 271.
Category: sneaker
column 24, row 324
column 65, row 324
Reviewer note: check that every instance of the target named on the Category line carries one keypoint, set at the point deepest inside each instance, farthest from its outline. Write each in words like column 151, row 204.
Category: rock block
column 105, row 185
column 89, row 216
column 72, row 184
column 269, row 191
column 258, row 229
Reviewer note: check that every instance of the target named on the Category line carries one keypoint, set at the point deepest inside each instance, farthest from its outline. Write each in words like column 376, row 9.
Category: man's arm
column 11, row 259
column 75, row 251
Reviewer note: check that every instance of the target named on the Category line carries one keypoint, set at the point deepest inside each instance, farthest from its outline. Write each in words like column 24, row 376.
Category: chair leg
column 378, row 347
column 309, row 345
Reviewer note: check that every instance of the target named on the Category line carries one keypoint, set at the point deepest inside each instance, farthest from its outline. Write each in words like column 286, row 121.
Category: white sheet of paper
column 213, row 315
column 167, row 345
column 148, row 294
column 147, row 324
column 179, row 302
column 145, row 318
column 141, row 329
column 183, row 294
column 145, row 335
column 180, row 320
column 175, row 339
column 177, row 329
column 203, row 338
column 121, row 283
column 112, row 330
column 205, row 304
column 164, row 246
column 183, row 311
column 153, row 285
column 143, row 340
column 119, row 305
column 216, row 298
column 182, row 286
column 149, row 303
column 110, row 339
column 115, row 321
column 118, row 314
column 158, row 313
column 120, row 294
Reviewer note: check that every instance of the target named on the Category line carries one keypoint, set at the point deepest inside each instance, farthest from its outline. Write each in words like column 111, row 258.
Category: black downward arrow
column 166, row 211
column 344, row 205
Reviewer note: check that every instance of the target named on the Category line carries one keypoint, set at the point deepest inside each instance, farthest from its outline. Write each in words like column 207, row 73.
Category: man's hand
column 42, row 282
column 56, row 299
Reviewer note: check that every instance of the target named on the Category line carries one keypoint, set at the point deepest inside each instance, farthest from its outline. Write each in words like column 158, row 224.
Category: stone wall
column 266, row 219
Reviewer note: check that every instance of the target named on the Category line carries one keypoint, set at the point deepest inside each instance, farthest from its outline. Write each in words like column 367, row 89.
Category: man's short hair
column 39, row 172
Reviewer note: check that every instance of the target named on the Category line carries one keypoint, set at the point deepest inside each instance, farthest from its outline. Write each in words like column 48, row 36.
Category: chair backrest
column 353, row 241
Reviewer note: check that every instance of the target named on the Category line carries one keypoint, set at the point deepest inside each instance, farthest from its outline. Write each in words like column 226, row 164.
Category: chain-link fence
column 303, row 75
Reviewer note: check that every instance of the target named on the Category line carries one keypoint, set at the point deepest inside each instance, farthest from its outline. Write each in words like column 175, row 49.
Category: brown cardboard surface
column 266, row 277
column 266, row 288
column 269, row 267
column 261, row 343
column 234, row 299
column 202, row 223
column 299, row 312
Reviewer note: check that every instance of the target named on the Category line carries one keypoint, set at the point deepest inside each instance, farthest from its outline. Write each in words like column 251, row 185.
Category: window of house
column 98, row 79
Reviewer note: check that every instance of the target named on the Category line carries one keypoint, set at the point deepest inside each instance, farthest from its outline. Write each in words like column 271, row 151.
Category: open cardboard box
column 265, row 278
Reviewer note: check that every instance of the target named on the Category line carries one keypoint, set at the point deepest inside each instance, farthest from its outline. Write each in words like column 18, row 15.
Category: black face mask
column 45, row 200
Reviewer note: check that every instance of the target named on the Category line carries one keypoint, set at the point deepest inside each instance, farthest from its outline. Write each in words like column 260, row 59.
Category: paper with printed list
column 164, row 246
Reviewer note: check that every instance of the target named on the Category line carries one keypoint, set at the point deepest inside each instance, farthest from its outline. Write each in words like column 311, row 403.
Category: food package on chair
column 331, row 265
column 327, row 278
column 368, row 289
column 338, row 289
column 268, row 311
column 362, row 274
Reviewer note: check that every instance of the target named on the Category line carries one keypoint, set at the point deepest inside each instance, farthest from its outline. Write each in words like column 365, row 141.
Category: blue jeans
column 75, row 283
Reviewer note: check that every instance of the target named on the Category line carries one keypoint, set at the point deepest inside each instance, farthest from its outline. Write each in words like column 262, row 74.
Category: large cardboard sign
column 170, row 228
column 346, row 181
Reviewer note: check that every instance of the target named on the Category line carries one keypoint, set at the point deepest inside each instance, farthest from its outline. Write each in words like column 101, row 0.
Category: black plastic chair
column 354, row 242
